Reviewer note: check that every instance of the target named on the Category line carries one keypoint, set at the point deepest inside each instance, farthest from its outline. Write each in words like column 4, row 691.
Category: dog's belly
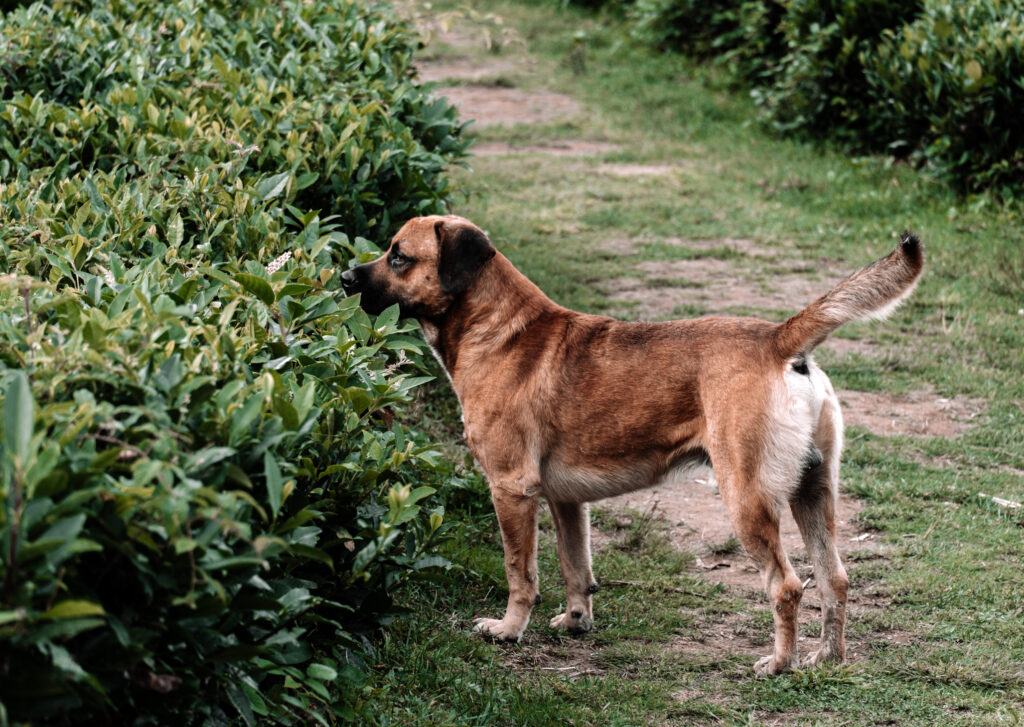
column 563, row 482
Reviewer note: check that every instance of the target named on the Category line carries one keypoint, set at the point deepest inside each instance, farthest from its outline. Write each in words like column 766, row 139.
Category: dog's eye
column 398, row 260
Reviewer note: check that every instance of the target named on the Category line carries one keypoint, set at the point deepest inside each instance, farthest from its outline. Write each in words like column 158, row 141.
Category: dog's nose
column 349, row 281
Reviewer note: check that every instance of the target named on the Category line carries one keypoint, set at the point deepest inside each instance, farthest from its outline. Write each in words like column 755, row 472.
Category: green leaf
column 98, row 205
column 73, row 608
column 10, row 616
column 243, row 417
column 206, row 457
column 418, row 494
column 275, row 483
column 175, row 231
column 272, row 187
column 257, row 286
column 322, row 672
column 387, row 319
column 312, row 553
column 63, row 660
column 63, row 629
column 432, row 561
column 363, row 558
column 287, row 412
column 241, row 703
column 19, row 411
column 305, row 180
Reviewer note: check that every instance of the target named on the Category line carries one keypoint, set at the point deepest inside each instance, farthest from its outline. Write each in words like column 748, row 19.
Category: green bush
column 948, row 89
column 936, row 82
column 819, row 87
column 155, row 90
column 741, row 33
column 207, row 497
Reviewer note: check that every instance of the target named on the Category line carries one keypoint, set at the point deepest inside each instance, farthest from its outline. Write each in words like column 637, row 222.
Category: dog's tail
column 874, row 291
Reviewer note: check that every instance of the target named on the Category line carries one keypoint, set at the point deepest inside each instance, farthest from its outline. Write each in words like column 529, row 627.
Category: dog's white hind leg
column 814, row 509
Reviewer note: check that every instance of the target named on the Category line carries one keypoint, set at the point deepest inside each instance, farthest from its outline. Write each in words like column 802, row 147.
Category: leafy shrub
column 156, row 90
column 740, row 33
column 934, row 81
column 819, row 86
column 207, row 497
column 948, row 89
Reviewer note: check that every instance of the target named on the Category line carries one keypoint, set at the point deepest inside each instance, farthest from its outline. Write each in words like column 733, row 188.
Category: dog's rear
column 798, row 457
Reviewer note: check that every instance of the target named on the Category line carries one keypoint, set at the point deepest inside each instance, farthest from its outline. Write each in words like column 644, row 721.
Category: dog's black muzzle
column 360, row 281
column 352, row 281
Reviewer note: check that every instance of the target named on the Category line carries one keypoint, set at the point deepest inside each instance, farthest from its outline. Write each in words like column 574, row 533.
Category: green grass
column 940, row 640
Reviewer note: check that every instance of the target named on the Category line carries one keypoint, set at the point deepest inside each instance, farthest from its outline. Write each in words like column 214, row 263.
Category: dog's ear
column 463, row 252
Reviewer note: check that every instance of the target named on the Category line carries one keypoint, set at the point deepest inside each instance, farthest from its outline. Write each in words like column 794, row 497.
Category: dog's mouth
column 373, row 300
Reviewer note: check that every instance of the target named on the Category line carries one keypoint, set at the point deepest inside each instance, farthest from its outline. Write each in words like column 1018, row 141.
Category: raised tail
column 874, row 291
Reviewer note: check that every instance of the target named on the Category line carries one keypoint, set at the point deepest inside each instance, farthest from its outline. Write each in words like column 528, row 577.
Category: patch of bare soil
column 799, row 717
column 699, row 524
column 489, row 104
column 718, row 285
column 637, row 170
column 460, row 68
column 567, row 657
column 852, row 346
column 724, row 635
column 495, row 105
column 920, row 413
column 563, row 148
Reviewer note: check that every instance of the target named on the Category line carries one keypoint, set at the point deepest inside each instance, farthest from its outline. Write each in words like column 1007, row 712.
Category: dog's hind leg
column 758, row 530
column 814, row 509
column 572, row 526
column 754, row 514
column 517, row 519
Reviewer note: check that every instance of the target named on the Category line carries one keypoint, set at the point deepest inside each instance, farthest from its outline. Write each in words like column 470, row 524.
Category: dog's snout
column 350, row 281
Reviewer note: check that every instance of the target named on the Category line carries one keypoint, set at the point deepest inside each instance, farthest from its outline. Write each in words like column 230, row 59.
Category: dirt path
column 506, row 90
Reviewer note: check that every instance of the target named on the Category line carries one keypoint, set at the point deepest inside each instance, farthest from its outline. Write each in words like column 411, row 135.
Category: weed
column 728, row 547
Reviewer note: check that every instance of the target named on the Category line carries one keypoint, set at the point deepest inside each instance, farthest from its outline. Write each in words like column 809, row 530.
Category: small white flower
column 278, row 262
column 108, row 276
column 402, row 360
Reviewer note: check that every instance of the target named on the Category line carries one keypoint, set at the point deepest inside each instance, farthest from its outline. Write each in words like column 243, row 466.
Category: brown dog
column 579, row 407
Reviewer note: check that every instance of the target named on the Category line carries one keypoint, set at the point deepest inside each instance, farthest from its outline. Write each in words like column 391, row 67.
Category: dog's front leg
column 517, row 518
column 572, row 526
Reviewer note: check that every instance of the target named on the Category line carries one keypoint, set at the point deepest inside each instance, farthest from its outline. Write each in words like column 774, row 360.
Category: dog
column 577, row 407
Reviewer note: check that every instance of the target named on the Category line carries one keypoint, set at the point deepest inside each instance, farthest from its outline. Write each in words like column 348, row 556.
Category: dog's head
column 430, row 262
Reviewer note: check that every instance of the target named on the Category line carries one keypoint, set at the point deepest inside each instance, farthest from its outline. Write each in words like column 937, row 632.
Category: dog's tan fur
column 577, row 407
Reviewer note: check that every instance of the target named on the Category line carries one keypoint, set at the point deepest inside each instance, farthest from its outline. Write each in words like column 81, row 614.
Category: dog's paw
column 574, row 625
column 769, row 666
column 499, row 629
column 821, row 656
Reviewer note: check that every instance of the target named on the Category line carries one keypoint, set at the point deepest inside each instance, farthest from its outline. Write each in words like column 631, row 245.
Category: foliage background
column 207, row 499
column 929, row 81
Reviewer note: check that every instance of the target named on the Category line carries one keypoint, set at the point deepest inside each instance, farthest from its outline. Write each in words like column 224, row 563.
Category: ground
column 632, row 220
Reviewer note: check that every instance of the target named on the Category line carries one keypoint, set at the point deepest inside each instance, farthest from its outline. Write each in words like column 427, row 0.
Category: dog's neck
column 499, row 305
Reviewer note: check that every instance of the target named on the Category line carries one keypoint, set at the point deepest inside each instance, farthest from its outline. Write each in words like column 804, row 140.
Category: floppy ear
column 463, row 252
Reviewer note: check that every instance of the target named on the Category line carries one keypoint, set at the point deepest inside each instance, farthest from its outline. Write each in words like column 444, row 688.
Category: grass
column 938, row 637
